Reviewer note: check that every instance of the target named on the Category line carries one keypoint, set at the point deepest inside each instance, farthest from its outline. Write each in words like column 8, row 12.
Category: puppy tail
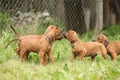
column 11, row 42
column 17, row 35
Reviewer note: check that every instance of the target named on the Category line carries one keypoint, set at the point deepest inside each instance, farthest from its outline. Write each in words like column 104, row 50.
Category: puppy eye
column 68, row 31
column 57, row 32
column 56, row 27
column 98, row 38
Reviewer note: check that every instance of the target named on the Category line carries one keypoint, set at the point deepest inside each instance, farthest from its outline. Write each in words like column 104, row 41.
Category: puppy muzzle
column 60, row 37
column 64, row 35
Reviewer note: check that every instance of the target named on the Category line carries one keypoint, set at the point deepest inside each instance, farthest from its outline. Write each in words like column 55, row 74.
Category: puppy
column 113, row 48
column 82, row 49
column 41, row 45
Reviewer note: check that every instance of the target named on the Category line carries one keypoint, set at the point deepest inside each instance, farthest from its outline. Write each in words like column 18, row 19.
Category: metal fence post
column 106, row 12
column 99, row 16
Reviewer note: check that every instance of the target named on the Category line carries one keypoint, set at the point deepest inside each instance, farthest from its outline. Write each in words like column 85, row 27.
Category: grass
column 62, row 69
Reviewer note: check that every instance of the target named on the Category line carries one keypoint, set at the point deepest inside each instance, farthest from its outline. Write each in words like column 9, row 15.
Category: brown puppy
column 82, row 49
column 41, row 45
column 113, row 48
column 27, row 37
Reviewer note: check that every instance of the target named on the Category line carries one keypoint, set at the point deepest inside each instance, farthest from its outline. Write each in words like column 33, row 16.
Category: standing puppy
column 82, row 49
column 42, row 45
column 113, row 48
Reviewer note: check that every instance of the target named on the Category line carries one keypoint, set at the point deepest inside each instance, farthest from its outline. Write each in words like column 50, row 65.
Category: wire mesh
column 79, row 15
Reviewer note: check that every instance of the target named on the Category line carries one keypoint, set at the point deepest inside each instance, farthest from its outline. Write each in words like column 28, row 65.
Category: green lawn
column 62, row 69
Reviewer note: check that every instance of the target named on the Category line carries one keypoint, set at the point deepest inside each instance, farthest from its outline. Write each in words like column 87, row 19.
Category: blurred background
column 33, row 16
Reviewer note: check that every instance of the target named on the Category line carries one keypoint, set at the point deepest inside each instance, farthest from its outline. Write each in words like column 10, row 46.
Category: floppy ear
column 106, row 42
column 57, row 32
column 54, row 34
column 73, row 36
column 49, row 29
column 51, row 36
column 101, row 39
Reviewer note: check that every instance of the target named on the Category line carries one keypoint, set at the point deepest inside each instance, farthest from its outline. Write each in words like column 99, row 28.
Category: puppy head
column 53, row 33
column 71, row 35
column 102, row 39
column 50, row 28
column 58, row 34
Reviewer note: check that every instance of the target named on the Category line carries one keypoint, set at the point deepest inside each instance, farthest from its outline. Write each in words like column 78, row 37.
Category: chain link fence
column 79, row 15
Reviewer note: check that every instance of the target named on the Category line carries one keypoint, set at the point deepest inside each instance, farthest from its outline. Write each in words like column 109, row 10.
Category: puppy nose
column 93, row 40
column 64, row 35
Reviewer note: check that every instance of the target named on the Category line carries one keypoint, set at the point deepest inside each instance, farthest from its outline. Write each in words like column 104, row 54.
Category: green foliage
column 113, row 32
column 88, row 36
column 4, row 20
column 12, row 69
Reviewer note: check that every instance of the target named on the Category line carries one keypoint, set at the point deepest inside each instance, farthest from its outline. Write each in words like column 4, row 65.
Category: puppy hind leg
column 46, row 58
column 17, row 51
column 93, row 57
column 23, row 55
column 113, row 55
column 81, row 56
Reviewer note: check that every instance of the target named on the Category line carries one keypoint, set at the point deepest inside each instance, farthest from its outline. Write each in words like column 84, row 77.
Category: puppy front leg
column 27, row 54
column 50, row 56
column 81, row 55
column 113, row 55
column 46, row 58
column 41, row 53
column 17, row 51
column 72, row 57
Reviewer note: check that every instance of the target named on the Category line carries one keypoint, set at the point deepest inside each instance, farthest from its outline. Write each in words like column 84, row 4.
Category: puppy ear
column 54, row 34
column 101, row 39
column 73, row 36
column 51, row 27
column 106, row 42
column 51, row 36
